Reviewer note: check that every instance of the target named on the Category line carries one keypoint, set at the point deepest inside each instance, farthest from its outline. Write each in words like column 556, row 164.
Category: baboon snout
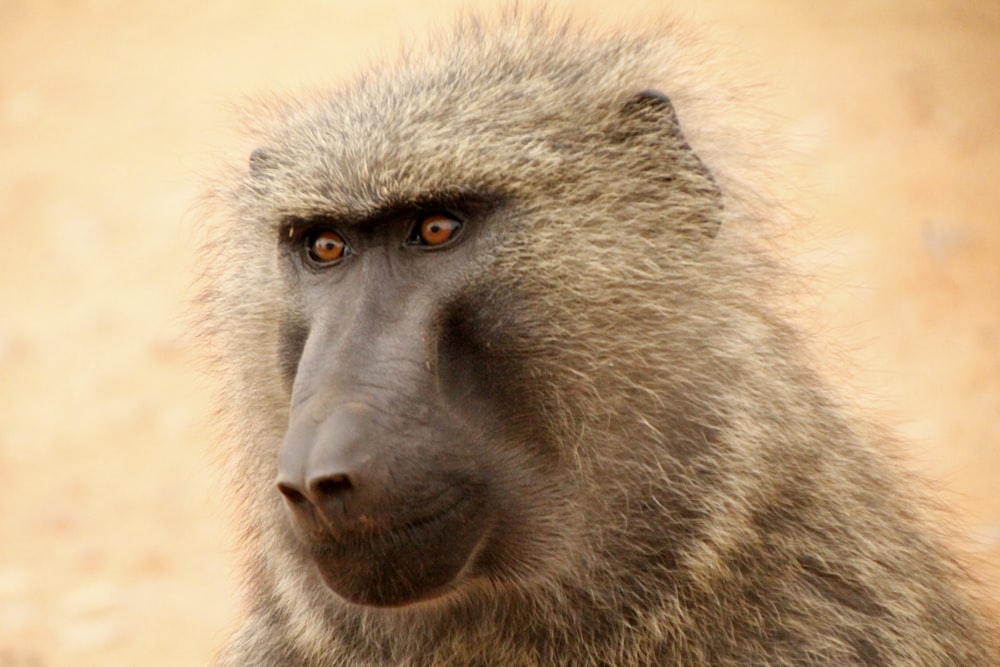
column 382, row 527
column 328, row 471
column 316, row 491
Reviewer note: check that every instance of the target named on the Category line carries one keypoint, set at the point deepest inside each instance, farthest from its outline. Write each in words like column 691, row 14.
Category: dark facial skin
column 385, row 469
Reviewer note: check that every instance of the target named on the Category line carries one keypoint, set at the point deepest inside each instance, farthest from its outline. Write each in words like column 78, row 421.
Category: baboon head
column 452, row 262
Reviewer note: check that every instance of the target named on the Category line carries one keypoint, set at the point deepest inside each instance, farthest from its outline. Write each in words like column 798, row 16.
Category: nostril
column 292, row 495
column 331, row 485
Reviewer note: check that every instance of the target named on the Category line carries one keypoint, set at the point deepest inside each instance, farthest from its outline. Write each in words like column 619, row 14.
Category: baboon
column 508, row 384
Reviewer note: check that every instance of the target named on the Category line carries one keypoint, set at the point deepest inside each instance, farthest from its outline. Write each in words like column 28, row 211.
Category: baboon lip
column 418, row 560
column 372, row 528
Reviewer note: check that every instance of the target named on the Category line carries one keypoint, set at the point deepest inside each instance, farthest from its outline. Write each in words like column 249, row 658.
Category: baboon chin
column 507, row 384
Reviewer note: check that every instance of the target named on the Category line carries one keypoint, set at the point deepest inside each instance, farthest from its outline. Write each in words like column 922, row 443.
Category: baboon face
column 396, row 463
column 422, row 361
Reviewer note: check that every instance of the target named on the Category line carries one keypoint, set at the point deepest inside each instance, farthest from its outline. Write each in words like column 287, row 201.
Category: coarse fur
column 698, row 496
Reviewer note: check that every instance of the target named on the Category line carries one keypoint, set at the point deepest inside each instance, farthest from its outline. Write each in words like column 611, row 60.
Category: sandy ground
column 113, row 537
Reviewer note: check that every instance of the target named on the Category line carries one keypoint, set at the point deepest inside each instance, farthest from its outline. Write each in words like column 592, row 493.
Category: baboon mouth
column 421, row 559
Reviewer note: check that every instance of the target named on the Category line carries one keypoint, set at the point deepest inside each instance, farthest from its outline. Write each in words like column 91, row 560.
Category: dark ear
column 651, row 112
column 656, row 109
column 260, row 160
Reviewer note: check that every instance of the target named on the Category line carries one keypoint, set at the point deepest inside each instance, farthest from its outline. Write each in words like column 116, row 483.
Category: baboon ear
column 260, row 161
column 654, row 112
column 655, row 108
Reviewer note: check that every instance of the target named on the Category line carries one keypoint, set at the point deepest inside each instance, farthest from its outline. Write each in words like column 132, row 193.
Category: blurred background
column 114, row 533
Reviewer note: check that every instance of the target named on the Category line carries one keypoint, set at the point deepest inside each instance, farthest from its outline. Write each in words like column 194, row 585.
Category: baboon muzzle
column 387, row 510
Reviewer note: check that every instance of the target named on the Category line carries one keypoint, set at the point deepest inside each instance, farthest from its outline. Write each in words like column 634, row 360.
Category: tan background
column 113, row 538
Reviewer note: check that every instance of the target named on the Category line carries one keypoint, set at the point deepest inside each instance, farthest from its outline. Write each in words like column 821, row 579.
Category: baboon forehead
column 512, row 105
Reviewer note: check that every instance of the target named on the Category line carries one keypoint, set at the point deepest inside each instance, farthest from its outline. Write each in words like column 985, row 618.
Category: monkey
column 507, row 383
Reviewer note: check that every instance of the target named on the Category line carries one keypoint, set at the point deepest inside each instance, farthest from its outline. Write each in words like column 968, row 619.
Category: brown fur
column 718, row 506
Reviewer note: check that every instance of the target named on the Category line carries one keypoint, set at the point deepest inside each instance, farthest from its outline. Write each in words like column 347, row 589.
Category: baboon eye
column 326, row 247
column 434, row 230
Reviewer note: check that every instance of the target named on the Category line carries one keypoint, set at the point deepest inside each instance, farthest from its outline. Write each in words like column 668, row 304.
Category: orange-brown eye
column 326, row 247
column 437, row 230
